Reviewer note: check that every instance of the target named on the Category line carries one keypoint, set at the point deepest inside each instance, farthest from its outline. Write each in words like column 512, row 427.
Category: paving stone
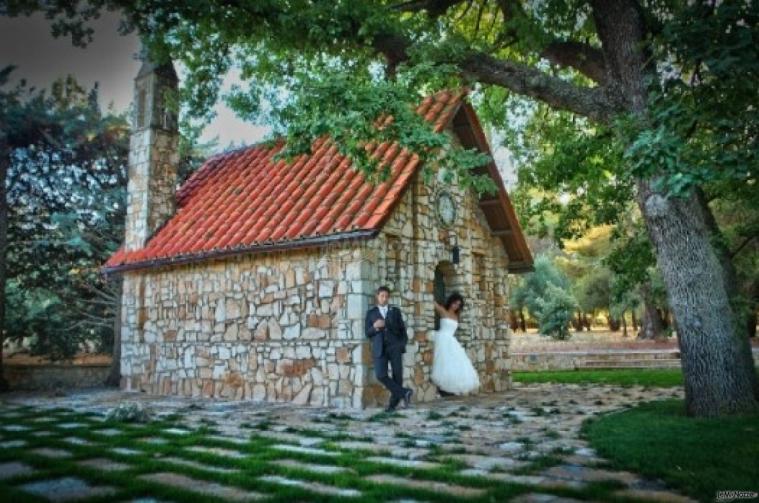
column 530, row 480
column 304, row 450
column 512, row 446
column 154, row 440
column 104, row 464
column 224, row 438
column 108, row 432
column 42, row 433
column 586, row 451
column 359, row 445
column 51, row 452
column 486, row 462
column 14, row 469
column 177, row 431
column 543, row 498
column 45, row 419
column 311, row 467
column 198, row 466
column 12, row 444
column 659, row 496
column 15, row 427
column 77, row 441
column 202, row 486
column 311, row 486
column 66, row 489
column 146, row 500
column 406, row 463
column 429, row 485
column 585, row 474
column 284, row 436
column 125, row 451
column 217, row 451
column 71, row 426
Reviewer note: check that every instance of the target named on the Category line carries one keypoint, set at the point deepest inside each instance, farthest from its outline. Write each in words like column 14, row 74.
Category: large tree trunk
column 715, row 352
column 716, row 356
column 4, row 164
column 114, row 376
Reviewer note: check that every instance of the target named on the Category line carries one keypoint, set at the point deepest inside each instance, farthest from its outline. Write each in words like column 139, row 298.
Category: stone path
column 522, row 445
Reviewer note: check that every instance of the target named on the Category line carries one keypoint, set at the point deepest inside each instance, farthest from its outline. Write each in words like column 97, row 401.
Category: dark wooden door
column 438, row 290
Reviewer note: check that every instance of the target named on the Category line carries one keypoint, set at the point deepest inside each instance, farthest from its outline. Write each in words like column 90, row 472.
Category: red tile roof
column 244, row 200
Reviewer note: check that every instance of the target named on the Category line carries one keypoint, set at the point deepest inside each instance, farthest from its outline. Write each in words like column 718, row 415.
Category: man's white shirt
column 383, row 310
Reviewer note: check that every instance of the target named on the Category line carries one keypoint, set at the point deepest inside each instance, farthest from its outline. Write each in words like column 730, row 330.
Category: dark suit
column 388, row 346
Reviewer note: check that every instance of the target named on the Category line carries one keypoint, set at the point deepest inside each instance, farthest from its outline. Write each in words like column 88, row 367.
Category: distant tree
column 66, row 193
column 545, row 293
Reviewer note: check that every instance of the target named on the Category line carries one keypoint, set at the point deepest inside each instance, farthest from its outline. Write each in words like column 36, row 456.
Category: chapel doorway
column 443, row 285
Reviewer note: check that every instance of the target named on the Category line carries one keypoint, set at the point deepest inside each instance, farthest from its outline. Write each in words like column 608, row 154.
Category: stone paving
column 522, row 445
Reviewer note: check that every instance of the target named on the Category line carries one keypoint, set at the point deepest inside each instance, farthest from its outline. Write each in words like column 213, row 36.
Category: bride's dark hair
column 453, row 298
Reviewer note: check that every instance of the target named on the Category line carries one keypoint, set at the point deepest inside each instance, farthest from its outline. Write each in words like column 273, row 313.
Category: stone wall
column 278, row 327
column 52, row 376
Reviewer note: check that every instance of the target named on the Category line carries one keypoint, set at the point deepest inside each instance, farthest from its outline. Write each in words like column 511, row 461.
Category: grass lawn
column 623, row 377
column 698, row 456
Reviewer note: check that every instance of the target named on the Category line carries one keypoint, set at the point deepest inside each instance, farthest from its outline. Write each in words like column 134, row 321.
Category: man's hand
column 379, row 324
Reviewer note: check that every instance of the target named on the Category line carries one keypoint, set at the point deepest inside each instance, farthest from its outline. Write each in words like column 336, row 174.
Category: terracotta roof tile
column 243, row 198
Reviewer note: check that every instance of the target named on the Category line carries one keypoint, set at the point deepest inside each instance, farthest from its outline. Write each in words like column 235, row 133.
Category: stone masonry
column 288, row 326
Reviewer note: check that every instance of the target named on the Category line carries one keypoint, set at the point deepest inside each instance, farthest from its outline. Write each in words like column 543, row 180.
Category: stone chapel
column 252, row 279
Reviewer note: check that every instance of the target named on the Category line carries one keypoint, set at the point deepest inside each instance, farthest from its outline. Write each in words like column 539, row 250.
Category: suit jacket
column 391, row 338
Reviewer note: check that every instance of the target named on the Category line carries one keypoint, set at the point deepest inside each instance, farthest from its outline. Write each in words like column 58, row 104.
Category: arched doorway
column 443, row 285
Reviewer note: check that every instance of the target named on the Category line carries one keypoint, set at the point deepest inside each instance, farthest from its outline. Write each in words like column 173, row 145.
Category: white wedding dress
column 452, row 370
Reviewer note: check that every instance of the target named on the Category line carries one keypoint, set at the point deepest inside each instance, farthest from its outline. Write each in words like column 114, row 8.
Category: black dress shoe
column 407, row 397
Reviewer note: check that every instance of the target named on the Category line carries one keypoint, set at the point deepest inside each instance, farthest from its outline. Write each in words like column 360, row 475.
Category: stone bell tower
column 153, row 153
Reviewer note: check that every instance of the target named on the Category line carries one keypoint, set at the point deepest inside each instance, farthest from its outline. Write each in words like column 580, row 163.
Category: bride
column 452, row 371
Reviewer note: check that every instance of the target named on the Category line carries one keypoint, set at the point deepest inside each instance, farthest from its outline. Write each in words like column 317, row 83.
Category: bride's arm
column 441, row 310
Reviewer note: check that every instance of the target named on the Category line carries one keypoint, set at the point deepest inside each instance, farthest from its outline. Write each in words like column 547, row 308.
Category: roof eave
column 360, row 234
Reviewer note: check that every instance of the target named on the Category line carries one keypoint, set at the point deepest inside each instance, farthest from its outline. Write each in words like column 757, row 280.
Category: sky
column 111, row 61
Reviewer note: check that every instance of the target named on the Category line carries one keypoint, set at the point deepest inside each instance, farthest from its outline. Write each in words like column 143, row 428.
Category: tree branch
column 434, row 8
column 593, row 103
column 584, row 58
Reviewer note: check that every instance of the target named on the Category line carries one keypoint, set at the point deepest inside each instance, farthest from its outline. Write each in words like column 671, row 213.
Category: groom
column 385, row 327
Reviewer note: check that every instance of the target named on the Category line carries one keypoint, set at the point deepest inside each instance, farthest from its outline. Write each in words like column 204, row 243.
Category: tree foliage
column 66, row 193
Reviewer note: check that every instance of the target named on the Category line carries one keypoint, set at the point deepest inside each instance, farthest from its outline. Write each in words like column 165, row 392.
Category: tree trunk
column 114, row 376
column 652, row 325
column 624, row 325
column 715, row 352
column 634, row 320
column 577, row 322
column 513, row 320
column 716, row 356
column 4, row 164
column 613, row 324
column 522, row 322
